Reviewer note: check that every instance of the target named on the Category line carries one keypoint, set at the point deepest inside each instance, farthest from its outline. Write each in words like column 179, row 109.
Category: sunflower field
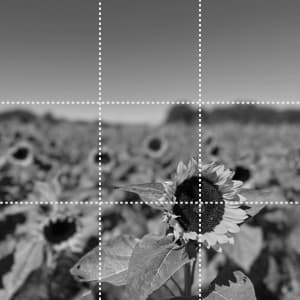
column 170, row 228
column 262, row 147
column 45, row 160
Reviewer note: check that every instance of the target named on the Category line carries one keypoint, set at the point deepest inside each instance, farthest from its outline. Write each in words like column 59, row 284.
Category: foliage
column 44, row 159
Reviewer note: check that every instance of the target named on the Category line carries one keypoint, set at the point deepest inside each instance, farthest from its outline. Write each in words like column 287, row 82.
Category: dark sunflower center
column 188, row 214
column 155, row 144
column 105, row 158
column 96, row 158
column 59, row 231
column 210, row 192
column 188, row 190
column 21, row 153
column 211, row 214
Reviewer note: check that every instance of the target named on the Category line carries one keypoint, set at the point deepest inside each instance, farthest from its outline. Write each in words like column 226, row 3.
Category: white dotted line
column 100, row 51
column 100, row 145
column 162, row 102
column 50, row 102
column 48, row 203
column 200, row 140
column 146, row 202
column 149, row 202
column 100, row 201
column 252, row 102
column 156, row 102
column 200, row 192
column 251, row 202
column 254, row 202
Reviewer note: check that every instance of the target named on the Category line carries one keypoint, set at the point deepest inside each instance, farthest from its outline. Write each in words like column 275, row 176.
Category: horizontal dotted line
column 51, row 102
column 147, row 102
column 195, row 203
column 145, row 202
column 255, row 102
column 252, row 202
column 202, row 203
column 48, row 203
column 163, row 102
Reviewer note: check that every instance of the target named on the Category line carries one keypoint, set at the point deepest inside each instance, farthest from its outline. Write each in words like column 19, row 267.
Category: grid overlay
column 99, row 103
column 200, row 123
column 101, row 201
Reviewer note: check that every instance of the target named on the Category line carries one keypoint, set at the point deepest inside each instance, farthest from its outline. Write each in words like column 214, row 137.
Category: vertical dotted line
column 100, row 145
column 100, row 52
column 200, row 201
column 100, row 204
column 200, row 51
column 200, row 139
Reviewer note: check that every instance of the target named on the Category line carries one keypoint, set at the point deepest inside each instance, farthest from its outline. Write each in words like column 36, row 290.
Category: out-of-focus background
column 88, row 112
column 44, row 159
column 262, row 145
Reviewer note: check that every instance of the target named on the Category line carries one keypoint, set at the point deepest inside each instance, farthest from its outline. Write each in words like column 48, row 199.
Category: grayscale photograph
column 150, row 201
column 250, row 198
column 49, row 166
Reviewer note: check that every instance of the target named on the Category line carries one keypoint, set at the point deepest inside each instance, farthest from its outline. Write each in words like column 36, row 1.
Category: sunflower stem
column 178, row 286
column 193, row 272
column 187, row 280
column 169, row 290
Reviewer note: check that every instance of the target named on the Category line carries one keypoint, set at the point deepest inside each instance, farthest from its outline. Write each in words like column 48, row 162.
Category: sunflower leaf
column 7, row 247
column 87, row 268
column 115, row 259
column 149, row 192
column 28, row 257
column 247, row 246
column 231, row 286
column 153, row 262
column 115, row 256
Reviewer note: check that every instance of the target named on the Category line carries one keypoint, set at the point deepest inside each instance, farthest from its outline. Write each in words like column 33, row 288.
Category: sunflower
column 219, row 206
column 155, row 146
column 211, row 220
column 61, row 226
column 21, row 155
column 57, row 228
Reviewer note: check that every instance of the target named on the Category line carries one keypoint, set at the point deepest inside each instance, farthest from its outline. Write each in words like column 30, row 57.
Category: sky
column 250, row 50
column 150, row 50
column 49, row 50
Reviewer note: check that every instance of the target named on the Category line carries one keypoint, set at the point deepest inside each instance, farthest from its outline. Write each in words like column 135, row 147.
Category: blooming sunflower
column 155, row 146
column 220, row 205
column 57, row 228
